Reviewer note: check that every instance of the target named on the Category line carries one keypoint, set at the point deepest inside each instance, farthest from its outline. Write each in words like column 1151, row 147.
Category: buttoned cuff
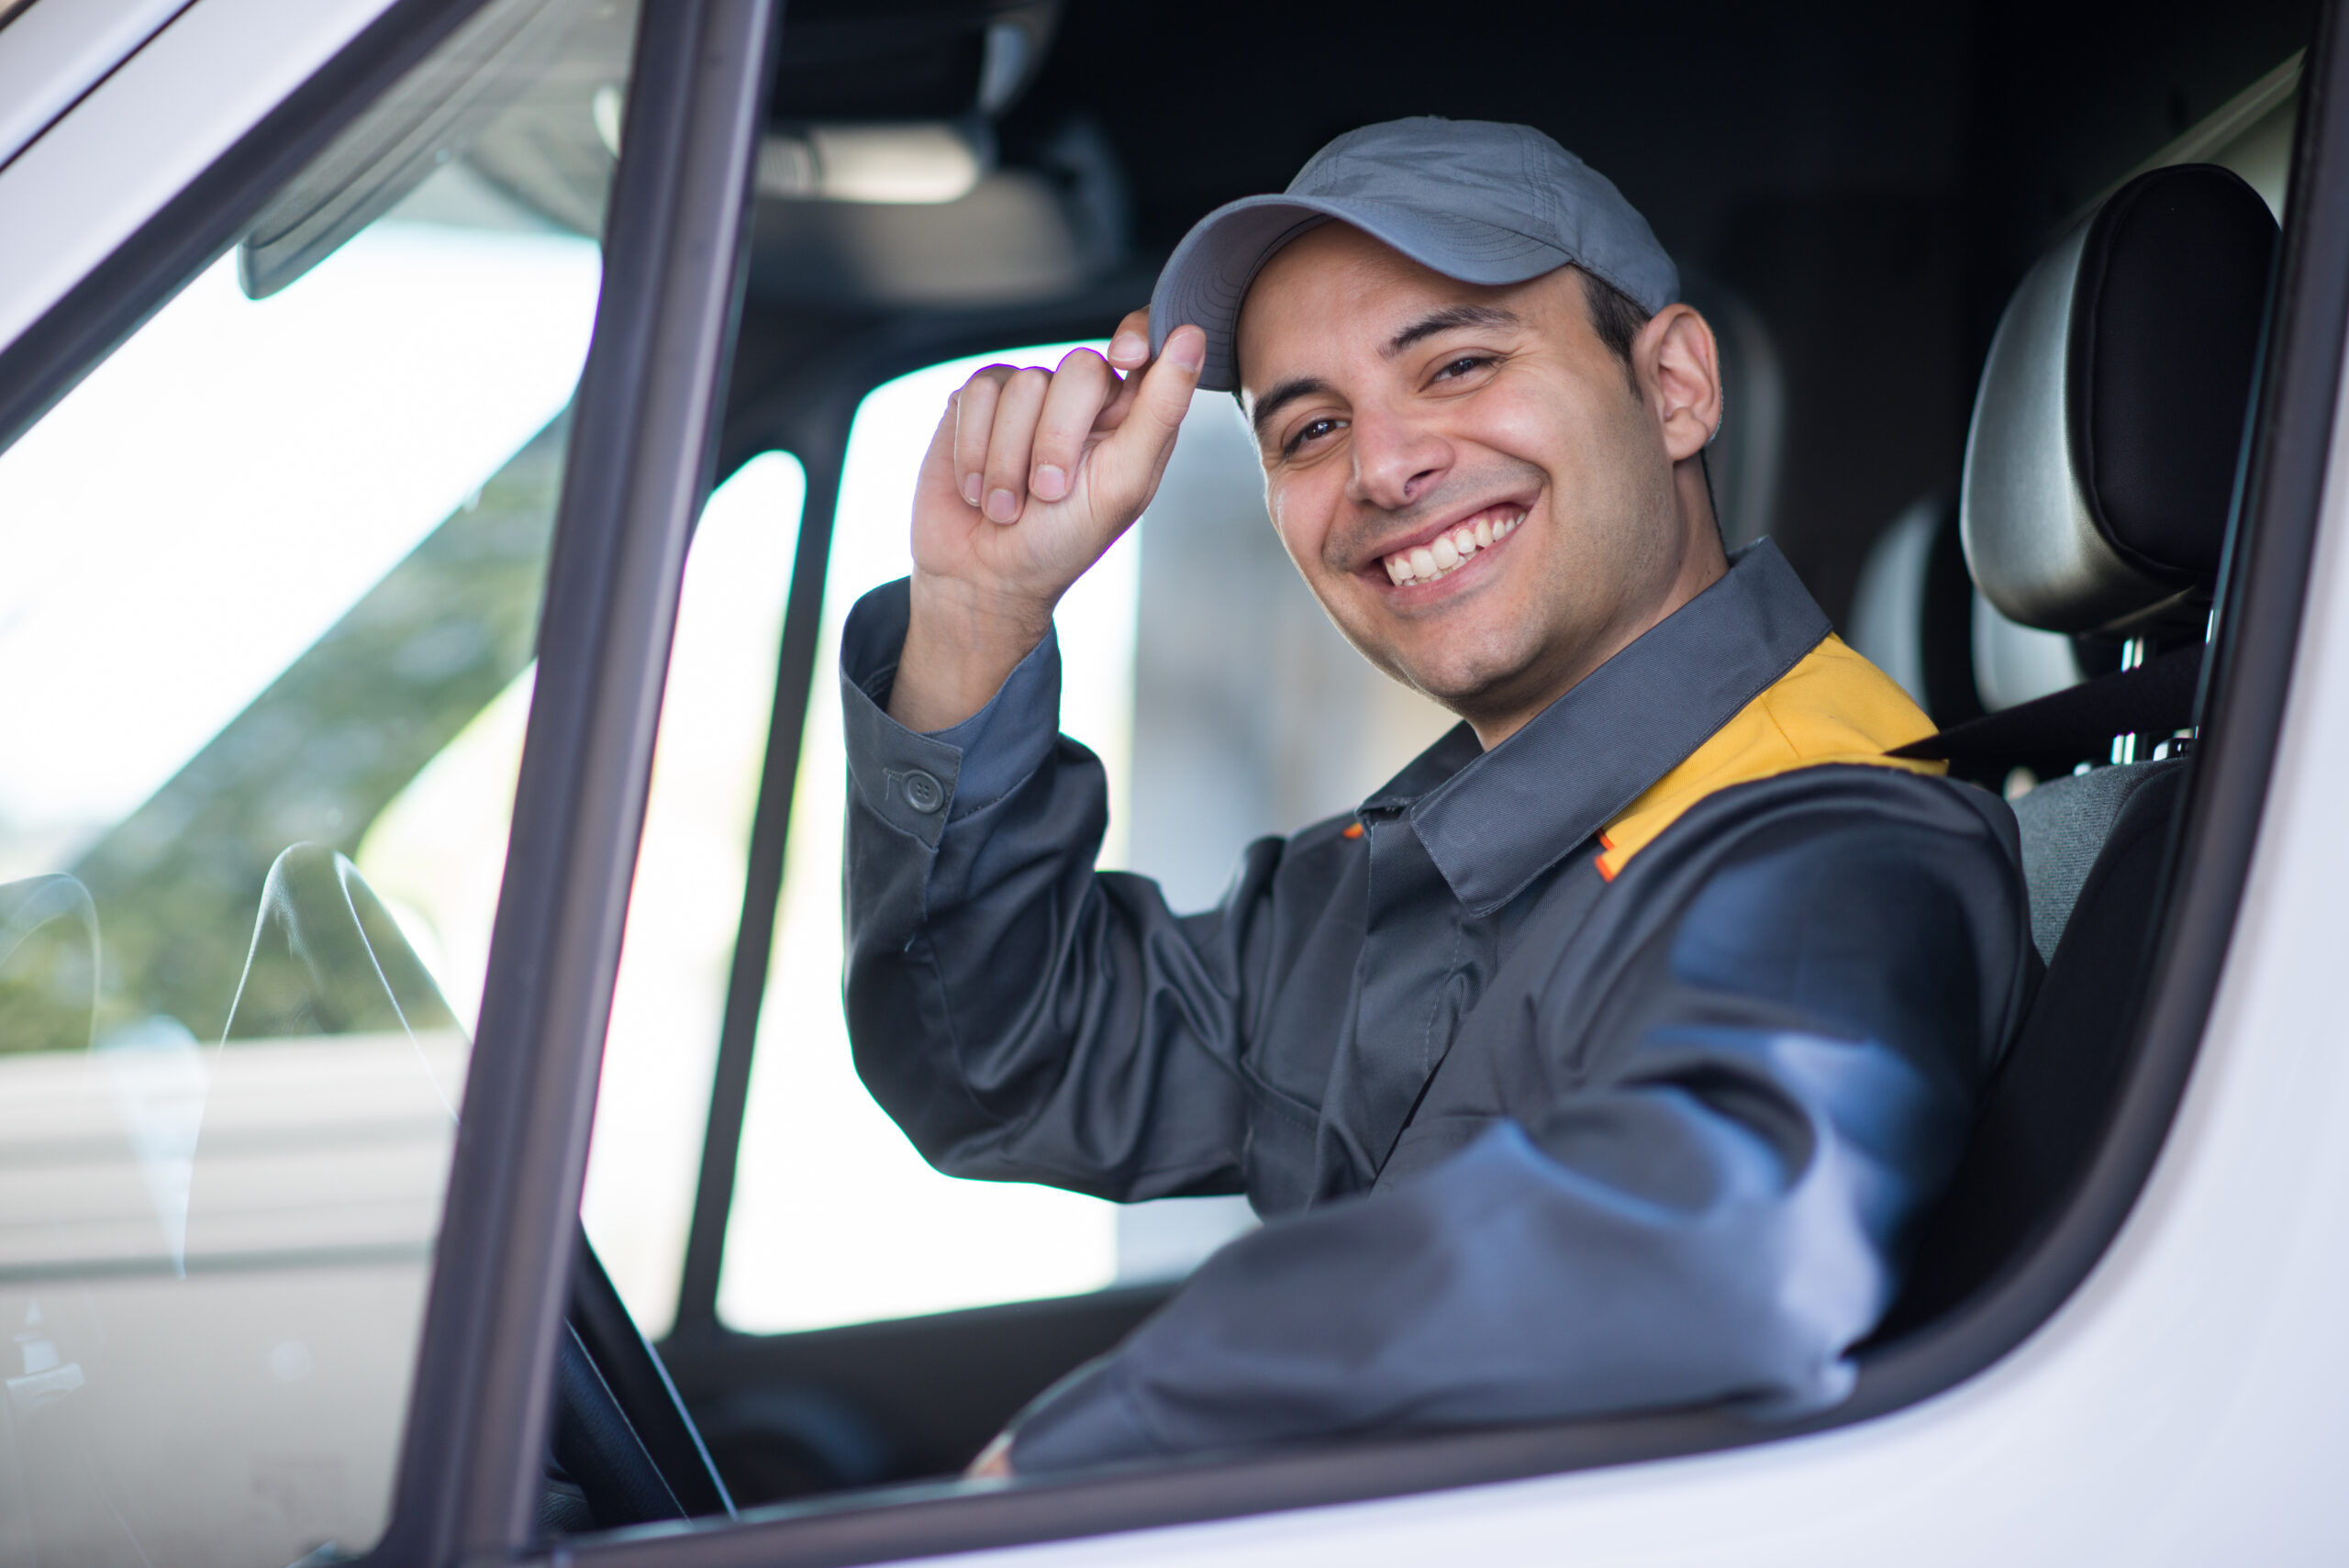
column 918, row 782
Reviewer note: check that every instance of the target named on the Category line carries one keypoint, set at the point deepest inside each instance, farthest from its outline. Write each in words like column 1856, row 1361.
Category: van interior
column 1854, row 198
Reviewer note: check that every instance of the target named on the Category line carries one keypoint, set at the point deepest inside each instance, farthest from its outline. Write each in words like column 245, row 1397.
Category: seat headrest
column 2101, row 461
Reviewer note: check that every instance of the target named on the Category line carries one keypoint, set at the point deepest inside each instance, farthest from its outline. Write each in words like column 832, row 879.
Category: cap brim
column 1208, row 277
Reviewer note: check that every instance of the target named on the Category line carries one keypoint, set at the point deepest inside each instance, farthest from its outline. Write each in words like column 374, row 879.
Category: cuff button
column 923, row 793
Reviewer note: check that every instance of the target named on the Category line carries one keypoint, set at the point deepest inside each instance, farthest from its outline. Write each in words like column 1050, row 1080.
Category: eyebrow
column 1447, row 319
column 1280, row 397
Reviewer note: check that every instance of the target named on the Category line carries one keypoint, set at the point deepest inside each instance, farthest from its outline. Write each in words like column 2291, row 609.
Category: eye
column 1312, row 430
column 1463, row 365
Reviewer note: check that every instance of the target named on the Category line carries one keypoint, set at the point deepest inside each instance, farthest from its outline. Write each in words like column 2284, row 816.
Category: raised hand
column 1031, row 476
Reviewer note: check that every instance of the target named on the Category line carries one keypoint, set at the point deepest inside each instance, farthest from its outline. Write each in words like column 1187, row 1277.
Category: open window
column 435, row 853
column 1248, row 715
column 836, row 1220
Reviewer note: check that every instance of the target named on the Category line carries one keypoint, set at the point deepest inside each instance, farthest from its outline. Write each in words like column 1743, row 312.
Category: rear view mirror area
column 507, row 93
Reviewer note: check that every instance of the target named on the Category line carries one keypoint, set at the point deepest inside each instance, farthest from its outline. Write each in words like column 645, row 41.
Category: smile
column 1449, row 550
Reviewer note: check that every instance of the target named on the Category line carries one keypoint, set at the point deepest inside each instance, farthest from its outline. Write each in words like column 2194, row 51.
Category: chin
column 1465, row 688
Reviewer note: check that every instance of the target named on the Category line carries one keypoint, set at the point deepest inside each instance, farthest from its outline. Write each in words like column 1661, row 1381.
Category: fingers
column 1009, row 443
column 1079, row 389
column 1019, row 433
column 1166, row 386
column 1129, row 344
column 1024, row 432
column 939, row 476
column 1135, row 454
column 1129, row 351
column 974, row 409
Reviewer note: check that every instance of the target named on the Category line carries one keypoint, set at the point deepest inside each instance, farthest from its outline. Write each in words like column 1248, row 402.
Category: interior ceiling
column 1871, row 180
column 881, row 58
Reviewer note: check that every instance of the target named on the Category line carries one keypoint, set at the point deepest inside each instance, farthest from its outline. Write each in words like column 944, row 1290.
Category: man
column 1603, row 1059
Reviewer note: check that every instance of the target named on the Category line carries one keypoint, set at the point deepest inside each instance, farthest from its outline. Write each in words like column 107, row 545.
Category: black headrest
column 2102, row 462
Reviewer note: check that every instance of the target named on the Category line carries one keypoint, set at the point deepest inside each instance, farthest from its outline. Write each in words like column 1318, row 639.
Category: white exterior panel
column 72, row 197
column 52, row 54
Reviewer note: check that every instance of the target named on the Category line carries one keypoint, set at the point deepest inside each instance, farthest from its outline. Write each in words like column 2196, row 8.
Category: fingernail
column 1050, row 483
column 1129, row 347
column 1188, row 348
column 1002, row 505
column 971, row 489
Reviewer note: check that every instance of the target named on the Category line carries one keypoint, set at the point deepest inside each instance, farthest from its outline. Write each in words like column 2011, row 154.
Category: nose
column 1396, row 460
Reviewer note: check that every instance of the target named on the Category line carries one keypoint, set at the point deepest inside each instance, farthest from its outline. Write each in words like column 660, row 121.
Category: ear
column 1680, row 370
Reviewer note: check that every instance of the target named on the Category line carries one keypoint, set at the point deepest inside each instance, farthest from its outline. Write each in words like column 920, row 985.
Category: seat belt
column 2155, row 698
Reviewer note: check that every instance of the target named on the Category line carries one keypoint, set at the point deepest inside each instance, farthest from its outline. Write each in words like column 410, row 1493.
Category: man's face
column 1466, row 476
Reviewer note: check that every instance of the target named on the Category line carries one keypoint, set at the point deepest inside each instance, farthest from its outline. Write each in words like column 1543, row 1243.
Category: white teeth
column 1442, row 555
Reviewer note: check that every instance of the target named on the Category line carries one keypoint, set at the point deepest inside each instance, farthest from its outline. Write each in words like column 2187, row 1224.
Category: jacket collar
column 1493, row 822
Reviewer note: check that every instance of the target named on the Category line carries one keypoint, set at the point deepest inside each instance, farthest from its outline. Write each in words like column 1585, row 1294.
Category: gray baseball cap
column 1483, row 203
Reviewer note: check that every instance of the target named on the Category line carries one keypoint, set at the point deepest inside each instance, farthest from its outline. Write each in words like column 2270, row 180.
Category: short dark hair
column 1616, row 316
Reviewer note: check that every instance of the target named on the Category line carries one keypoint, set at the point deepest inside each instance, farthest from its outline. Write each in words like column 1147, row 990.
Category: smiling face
column 1477, row 493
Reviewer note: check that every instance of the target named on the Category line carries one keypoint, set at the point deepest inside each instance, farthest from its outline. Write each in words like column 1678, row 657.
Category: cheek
column 1527, row 420
column 1561, row 429
column 1302, row 515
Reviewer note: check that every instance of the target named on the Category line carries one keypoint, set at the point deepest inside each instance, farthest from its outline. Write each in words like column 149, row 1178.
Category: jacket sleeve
column 1718, row 1218
column 1020, row 1015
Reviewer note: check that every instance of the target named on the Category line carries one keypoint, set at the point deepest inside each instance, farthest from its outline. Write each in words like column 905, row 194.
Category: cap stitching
column 1544, row 198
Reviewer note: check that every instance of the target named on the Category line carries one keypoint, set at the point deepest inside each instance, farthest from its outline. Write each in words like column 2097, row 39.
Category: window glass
column 436, row 852
column 265, row 562
column 836, row 1218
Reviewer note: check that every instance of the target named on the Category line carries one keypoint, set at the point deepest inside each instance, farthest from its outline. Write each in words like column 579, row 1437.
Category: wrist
column 960, row 646
column 983, row 624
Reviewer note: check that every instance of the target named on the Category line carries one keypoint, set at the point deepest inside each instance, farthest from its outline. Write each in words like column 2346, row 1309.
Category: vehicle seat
column 2100, row 476
column 1917, row 615
column 1912, row 610
column 2066, row 825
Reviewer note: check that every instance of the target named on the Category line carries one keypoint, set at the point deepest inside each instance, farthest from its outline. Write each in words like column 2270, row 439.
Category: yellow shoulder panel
column 1832, row 707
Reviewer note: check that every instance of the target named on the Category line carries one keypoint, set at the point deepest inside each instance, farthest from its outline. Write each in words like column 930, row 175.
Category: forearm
column 1718, row 1215
column 995, row 981
column 1059, row 1068
column 1029, row 478
column 1529, row 1279
column 962, row 644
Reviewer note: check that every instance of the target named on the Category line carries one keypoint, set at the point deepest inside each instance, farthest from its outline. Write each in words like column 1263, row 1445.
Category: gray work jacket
column 1540, row 1129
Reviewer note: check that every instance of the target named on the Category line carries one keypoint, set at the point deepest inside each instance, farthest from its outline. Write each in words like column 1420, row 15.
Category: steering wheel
column 327, row 959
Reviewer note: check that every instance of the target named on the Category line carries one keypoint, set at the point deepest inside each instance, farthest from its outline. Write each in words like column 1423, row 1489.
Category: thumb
column 1130, row 458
